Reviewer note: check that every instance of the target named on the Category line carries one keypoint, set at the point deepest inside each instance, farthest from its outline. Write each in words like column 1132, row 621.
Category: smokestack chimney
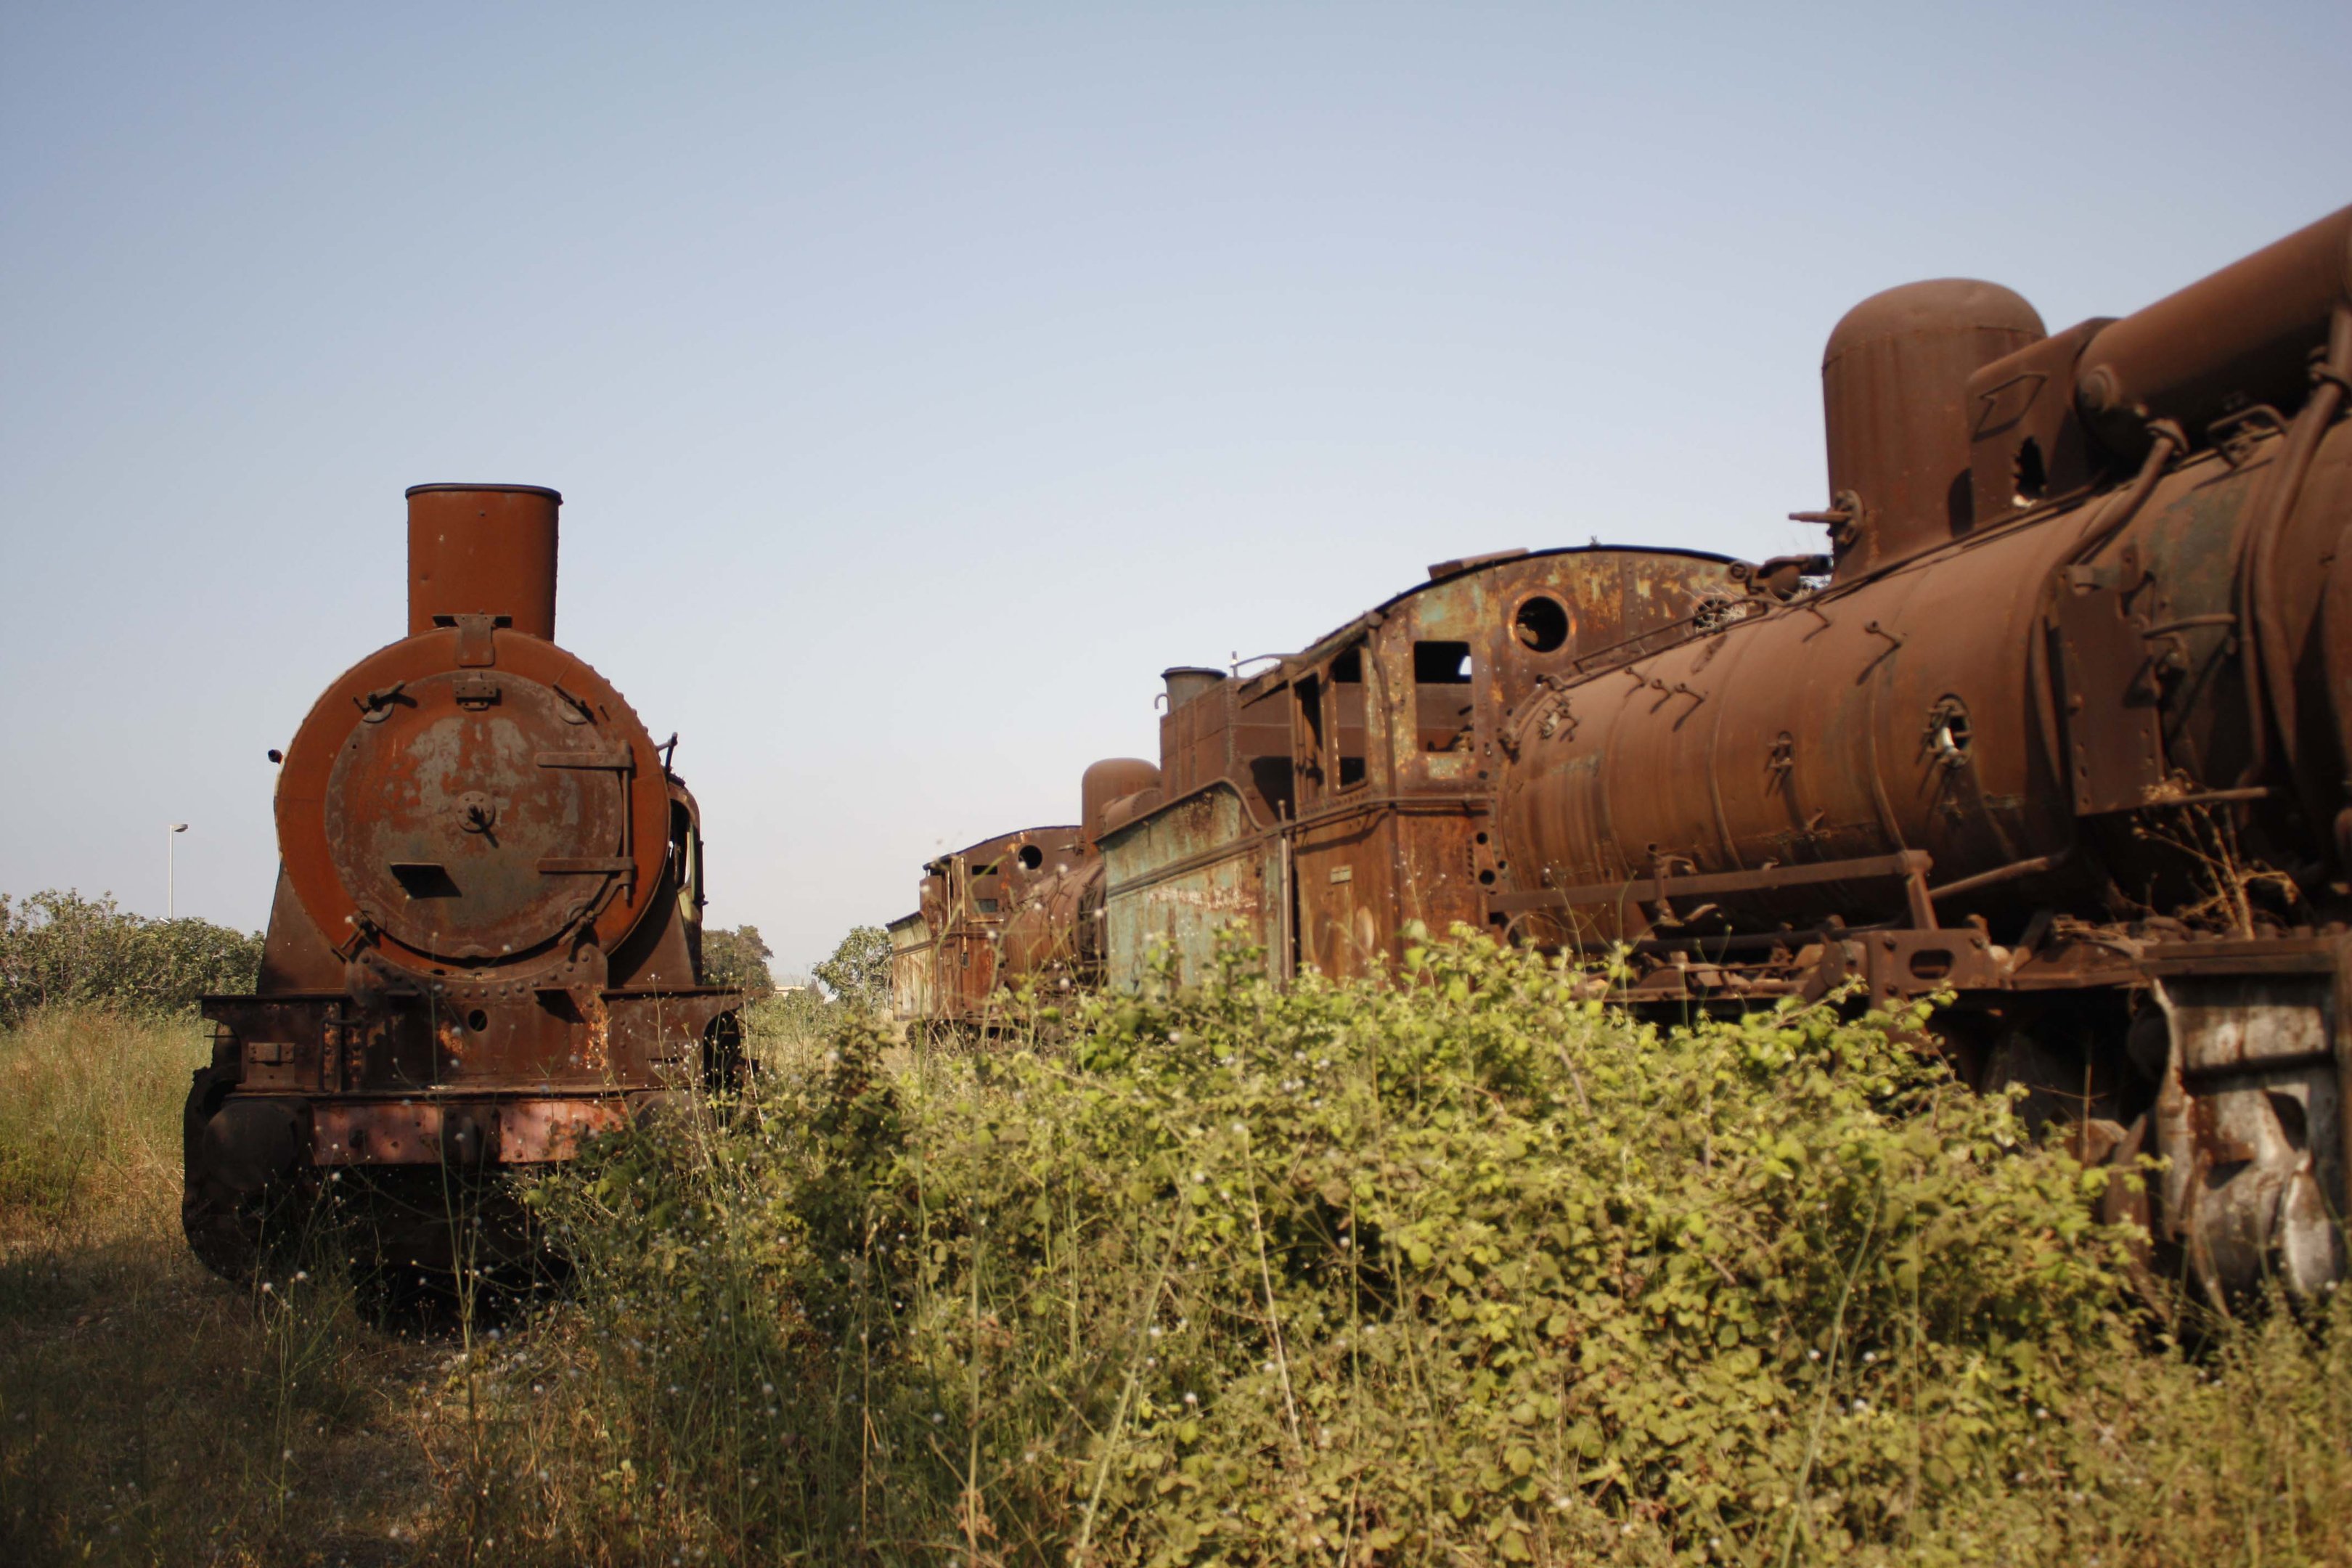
column 482, row 550
column 1187, row 681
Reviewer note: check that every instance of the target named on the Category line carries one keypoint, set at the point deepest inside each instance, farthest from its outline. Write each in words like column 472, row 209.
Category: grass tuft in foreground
column 1468, row 1270
column 150, row 1413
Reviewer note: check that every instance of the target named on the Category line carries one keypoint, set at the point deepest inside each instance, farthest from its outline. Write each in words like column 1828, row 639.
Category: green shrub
column 1464, row 1270
column 59, row 949
column 858, row 973
column 738, row 958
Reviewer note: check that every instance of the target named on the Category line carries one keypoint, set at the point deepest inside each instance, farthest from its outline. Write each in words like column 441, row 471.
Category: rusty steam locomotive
column 2061, row 723
column 485, row 938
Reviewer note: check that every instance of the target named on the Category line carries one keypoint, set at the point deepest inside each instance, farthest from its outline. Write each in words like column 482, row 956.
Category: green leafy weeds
column 1462, row 1269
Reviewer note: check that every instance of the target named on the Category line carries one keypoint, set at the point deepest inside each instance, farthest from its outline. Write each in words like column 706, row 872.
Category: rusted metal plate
column 910, row 967
column 1175, row 880
column 2115, row 740
column 472, row 1133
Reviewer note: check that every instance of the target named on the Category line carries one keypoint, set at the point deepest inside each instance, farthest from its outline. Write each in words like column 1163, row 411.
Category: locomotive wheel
column 236, row 1230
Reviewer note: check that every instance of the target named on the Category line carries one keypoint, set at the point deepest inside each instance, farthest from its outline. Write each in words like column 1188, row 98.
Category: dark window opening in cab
column 1441, row 698
column 1309, row 691
column 1031, row 856
column 1441, row 664
column 1348, row 715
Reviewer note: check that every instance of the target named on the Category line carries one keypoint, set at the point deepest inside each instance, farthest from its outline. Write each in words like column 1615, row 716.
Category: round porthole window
column 1031, row 856
column 1541, row 625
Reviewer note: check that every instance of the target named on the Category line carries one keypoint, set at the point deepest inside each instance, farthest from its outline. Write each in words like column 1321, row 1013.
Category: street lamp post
column 169, row 839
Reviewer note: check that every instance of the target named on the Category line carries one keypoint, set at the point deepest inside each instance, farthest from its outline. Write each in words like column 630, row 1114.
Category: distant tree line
column 62, row 948
column 858, row 973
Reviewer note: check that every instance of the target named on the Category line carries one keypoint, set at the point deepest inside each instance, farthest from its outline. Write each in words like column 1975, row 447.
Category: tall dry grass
column 940, row 1305
column 150, row 1413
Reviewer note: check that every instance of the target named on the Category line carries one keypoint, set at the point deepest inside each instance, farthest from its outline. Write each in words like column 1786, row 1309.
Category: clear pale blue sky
column 922, row 381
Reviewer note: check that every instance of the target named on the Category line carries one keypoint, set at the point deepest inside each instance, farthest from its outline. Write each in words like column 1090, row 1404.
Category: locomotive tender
column 486, row 938
column 2061, row 723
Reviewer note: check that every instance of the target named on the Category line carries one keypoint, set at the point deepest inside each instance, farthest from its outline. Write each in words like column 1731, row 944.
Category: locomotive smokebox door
column 472, row 830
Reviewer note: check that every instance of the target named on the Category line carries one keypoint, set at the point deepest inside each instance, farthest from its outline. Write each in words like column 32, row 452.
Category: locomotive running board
column 1908, row 865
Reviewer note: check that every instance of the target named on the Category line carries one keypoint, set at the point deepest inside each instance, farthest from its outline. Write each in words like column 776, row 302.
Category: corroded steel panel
column 1175, row 880
column 911, row 956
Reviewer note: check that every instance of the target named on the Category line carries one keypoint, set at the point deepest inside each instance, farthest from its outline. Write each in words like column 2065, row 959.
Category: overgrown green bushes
column 63, row 950
column 1464, row 1270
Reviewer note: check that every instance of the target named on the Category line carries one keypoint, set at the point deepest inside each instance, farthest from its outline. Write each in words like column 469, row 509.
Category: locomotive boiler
column 2058, row 723
column 485, row 943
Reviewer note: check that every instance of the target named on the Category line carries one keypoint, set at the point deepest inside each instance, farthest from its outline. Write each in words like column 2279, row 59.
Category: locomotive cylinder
column 1893, row 378
column 482, row 550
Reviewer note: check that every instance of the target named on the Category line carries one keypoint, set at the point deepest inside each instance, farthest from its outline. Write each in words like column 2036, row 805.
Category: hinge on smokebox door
column 620, row 760
column 476, row 648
